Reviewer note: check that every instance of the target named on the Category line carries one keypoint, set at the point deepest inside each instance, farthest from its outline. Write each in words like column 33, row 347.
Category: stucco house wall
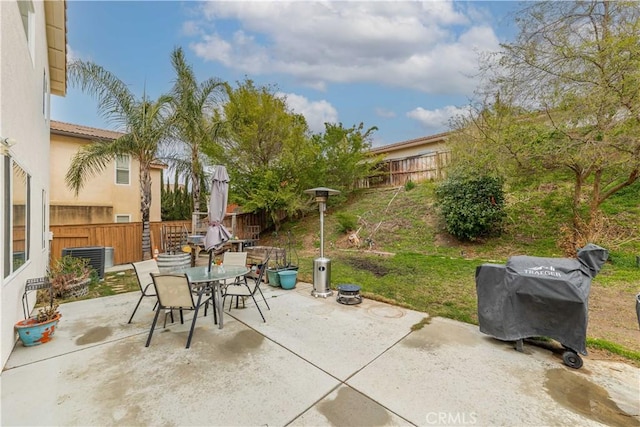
column 101, row 199
column 30, row 68
column 412, row 147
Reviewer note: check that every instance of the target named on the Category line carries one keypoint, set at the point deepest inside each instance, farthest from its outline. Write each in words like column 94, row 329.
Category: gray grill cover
column 539, row 297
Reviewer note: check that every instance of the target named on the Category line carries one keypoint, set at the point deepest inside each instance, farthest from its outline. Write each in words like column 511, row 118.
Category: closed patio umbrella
column 217, row 234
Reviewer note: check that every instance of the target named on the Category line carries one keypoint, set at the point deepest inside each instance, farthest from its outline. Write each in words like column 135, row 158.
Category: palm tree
column 145, row 122
column 194, row 105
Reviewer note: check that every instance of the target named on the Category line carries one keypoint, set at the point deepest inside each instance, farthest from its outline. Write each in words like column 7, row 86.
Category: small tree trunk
column 195, row 182
column 145, row 208
column 576, row 220
column 594, row 206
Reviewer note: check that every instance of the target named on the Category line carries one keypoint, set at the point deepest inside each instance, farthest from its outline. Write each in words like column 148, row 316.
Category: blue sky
column 404, row 67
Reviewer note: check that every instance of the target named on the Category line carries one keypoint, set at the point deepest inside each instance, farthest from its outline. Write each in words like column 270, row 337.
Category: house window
column 17, row 222
column 123, row 169
column 27, row 14
column 123, row 218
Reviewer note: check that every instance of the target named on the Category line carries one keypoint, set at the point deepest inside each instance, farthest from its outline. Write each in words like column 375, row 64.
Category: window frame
column 122, row 216
column 27, row 15
column 9, row 194
column 119, row 168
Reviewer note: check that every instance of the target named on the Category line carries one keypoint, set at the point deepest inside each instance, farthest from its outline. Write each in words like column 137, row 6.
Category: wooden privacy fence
column 126, row 238
column 397, row 172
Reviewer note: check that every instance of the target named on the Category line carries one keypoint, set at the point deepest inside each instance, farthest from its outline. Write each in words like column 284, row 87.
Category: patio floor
column 315, row 362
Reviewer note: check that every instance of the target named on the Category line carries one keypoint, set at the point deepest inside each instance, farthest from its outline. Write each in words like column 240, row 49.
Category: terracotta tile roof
column 86, row 132
column 62, row 128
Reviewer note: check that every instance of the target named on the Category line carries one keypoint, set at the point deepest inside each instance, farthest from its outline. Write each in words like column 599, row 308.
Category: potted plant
column 40, row 328
column 283, row 262
column 70, row 277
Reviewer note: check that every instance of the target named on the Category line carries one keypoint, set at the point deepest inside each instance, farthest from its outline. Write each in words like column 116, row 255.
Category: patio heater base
column 322, row 294
column 321, row 277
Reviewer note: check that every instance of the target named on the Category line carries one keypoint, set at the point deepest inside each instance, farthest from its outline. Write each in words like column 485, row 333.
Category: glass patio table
column 211, row 278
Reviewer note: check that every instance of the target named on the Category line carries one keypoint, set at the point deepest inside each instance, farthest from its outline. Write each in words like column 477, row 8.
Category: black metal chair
column 174, row 291
column 143, row 271
column 33, row 285
column 247, row 287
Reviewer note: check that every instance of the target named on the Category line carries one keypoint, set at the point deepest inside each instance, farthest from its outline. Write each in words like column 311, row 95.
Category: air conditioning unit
column 95, row 255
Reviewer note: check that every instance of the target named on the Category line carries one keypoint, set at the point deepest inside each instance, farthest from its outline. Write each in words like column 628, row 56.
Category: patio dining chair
column 247, row 287
column 143, row 271
column 174, row 291
column 230, row 258
column 234, row 258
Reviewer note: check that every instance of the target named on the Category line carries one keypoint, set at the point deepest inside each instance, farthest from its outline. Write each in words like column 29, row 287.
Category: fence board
column 126, row 238
column 398, row 172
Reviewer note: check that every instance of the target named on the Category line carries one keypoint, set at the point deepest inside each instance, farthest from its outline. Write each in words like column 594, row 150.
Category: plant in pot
column 284, row 261
column 70, row 277
column 40, row 328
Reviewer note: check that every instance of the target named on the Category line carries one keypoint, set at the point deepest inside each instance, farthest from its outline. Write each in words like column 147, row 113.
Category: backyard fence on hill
column 397, row 172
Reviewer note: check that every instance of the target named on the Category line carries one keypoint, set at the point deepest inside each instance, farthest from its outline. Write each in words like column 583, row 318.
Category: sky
column 405, row 67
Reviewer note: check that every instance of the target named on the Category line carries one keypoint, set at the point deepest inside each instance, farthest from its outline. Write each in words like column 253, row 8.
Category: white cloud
column 429, row 46
column 385, row 113
column 190, row 28
column 436, row 120
column 315, row 112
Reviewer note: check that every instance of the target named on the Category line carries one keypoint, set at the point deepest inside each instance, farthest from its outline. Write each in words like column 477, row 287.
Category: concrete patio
column 315, row 362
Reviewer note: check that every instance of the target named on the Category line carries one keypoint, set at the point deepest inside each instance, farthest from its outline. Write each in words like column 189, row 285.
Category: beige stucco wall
column 22, row 119
column 416, row 150
column 100, row 199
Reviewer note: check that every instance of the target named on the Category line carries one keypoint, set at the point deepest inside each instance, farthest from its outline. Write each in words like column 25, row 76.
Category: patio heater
column 322, row 265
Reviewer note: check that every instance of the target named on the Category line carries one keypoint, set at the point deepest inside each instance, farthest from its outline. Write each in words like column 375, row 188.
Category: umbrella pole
column 210, row 256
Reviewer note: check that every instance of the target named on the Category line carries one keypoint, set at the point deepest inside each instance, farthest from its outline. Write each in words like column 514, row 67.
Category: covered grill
column 539, row 297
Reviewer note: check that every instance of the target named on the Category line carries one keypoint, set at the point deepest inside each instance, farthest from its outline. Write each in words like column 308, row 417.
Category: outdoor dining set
column 194, row 288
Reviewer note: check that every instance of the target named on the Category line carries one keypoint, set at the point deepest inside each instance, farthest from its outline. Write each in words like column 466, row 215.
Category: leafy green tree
column 260, row 140
column 272, row 157
column 341, row 156
column 194, row 105
column 564, row 95
column 146, row 124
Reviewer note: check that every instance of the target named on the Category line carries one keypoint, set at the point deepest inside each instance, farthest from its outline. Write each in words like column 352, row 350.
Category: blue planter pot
column 288, row 278
column 32, row 333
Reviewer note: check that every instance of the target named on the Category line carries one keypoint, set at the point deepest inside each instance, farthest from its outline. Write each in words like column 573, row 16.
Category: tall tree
column 272, row 157
column 342, row 156
column 565, row 95
column 260, row 135
column 144, row 121
column 194, row 105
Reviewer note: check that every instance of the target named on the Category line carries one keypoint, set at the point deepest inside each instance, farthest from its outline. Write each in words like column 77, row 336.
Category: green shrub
column 346, row 222
column 471, row 206
column 409, row 185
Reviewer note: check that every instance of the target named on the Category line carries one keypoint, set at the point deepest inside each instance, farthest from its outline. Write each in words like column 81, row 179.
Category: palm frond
column 88, row 162
column 115, row 100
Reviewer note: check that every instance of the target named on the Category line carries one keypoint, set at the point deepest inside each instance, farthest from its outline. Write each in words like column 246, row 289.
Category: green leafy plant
column 346, row 222
column 409, row 185
column 471, row 206
column 68, row 271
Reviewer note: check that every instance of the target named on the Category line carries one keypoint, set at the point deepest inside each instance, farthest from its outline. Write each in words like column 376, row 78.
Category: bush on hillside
column 471, row 206
column 347, row 222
